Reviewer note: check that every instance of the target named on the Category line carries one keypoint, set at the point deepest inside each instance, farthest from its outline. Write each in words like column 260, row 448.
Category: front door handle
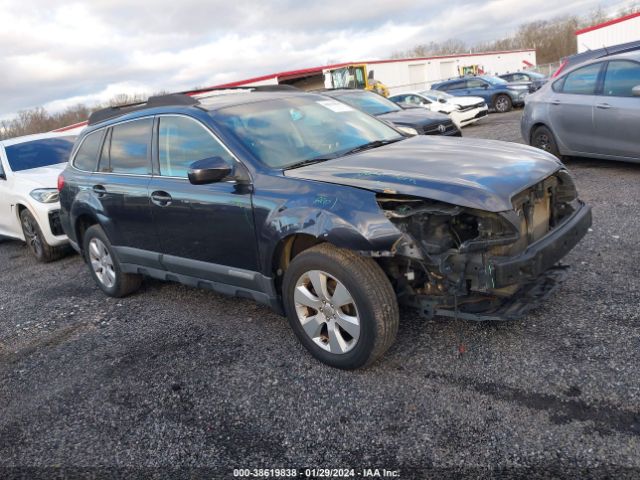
column 555, row 102
column 160, row 198
column 99, row 190
column 603, row 106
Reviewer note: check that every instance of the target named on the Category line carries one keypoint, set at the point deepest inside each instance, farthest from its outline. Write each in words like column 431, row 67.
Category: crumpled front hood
column 481, row 174
column 43, row 177
column 420, row 117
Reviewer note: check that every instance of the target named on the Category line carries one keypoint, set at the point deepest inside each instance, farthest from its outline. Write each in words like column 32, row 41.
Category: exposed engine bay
column 457, row 261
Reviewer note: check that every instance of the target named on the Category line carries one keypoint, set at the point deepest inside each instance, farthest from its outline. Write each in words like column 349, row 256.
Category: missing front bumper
column 527, row 298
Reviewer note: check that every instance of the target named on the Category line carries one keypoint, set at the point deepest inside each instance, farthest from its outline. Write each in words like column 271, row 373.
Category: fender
column 346, row 217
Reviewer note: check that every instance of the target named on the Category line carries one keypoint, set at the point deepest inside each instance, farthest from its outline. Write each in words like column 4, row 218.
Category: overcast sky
column 56, row 53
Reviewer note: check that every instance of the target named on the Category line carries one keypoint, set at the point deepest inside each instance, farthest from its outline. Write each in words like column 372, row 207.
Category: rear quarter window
column 86, row 158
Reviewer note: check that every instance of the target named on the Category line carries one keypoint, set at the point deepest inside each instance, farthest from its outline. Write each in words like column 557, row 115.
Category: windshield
column 372, row 103
column 436, row 95
column 288, row 131
column 39, row 153
column 495, row 80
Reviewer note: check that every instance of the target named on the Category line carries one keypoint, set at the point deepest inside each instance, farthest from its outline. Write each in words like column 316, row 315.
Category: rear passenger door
column 121, row 187
column 203, row 229
column 617, row 111
column 571, row 108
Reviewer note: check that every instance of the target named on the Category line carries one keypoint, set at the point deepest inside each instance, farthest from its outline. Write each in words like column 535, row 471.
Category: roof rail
column 157, row 101
column 255, row 88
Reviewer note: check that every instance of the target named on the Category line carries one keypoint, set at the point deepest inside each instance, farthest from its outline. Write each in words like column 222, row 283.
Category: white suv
column 29, row 207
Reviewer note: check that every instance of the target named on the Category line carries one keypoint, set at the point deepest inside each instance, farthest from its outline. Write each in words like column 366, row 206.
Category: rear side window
column 621, row 77
column 455, row 86
column 129, row 148
column 182, row 141
column 87, row 156
column 39, row 153
column 582, row 81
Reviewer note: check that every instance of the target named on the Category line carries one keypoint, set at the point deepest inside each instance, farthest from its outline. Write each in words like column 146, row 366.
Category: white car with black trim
column 29, row 206
column 463, row 111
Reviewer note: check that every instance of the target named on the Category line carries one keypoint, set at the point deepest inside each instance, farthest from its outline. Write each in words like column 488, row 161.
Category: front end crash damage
column 479, row 265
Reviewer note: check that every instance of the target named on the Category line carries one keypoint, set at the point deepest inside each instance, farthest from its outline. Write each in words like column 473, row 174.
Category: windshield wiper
column 309, row 161
column 370, row 145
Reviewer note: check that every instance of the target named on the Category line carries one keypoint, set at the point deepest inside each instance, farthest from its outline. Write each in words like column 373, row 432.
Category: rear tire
column 36, row 242
column 104, row 265
column 353, row 320
column 502, row 103
column 543, row 139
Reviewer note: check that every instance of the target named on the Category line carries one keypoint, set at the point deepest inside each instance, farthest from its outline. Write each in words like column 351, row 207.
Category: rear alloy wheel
column 340, row 305
column 502, row 104
column 36, row 241
column 543, row 139
column 105, row 267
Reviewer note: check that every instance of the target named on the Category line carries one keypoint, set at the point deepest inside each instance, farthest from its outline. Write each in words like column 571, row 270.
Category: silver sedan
column 590, row 111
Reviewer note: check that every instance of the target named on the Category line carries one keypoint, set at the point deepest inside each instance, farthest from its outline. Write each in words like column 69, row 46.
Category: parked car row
column 332, row 208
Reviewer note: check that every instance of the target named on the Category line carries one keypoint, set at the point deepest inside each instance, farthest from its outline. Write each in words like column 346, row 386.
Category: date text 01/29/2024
column 315, row 473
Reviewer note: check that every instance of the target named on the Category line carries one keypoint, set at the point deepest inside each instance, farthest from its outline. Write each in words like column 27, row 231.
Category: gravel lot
column 174, row 378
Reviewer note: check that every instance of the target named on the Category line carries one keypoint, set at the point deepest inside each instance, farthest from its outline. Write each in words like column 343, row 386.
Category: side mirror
column 442, row 100
column 635, row 91
column 485, row 86
column 209, row 170
column 3, row 176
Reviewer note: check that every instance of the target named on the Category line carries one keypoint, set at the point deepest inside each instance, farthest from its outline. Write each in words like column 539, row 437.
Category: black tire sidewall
column 360, row 354
column 96, row 232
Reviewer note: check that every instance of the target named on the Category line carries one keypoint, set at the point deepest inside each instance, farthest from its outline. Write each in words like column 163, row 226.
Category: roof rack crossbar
column 155, row 101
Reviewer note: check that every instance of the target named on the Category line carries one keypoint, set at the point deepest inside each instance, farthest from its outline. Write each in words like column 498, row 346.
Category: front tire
column 105, row 267
column 502, row 103
column 341, row 306
column 35, row 239
column 543, row 139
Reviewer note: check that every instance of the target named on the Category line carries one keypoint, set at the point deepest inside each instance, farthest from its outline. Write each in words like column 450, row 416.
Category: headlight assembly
column 408, row 130
column 45, row 195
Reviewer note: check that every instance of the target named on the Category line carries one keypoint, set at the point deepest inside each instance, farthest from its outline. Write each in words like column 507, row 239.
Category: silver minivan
column 590, row 111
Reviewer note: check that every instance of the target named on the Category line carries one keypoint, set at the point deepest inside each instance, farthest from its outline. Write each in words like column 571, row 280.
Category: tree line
column 552, row 39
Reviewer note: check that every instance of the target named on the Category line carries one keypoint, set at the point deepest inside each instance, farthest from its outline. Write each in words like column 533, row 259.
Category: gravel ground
column 173, row 378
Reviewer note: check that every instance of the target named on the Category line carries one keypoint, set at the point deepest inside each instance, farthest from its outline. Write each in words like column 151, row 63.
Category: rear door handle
column 99, row 190
column 603, row 106
column 160, row 198
column 555, row 102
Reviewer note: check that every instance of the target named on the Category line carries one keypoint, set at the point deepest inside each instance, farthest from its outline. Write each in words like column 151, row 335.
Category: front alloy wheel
column 340, row 305
column 327, row 312
column 32, row 235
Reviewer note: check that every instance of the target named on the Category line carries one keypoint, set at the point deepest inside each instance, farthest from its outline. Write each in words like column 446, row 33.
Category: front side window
column 182, row 141
column 621, row 77
column 475, row 83
column 287, row 131
column 129, row 148
column 582, row 81
column 39, row 153
column 86, row 157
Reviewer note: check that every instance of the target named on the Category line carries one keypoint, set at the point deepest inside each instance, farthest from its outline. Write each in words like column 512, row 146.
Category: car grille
column 447, row 128
column 54, row 223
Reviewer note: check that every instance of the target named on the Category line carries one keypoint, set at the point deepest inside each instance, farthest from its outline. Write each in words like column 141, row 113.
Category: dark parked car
column 496, row 92
column 320, row 211
column 532, row 80
column 410, row 120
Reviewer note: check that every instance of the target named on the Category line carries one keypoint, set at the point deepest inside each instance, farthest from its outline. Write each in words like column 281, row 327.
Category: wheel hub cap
column 327, row 312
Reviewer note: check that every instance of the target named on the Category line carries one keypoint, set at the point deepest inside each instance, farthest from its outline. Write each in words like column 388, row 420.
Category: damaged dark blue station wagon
column 320, row 211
